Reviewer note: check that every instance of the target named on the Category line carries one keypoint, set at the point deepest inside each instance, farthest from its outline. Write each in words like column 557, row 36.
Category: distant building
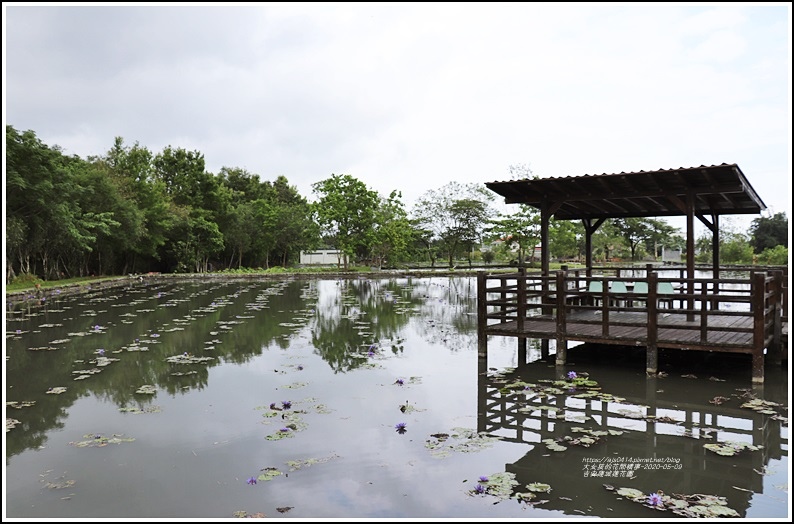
column 671, row 255
column 321, row 257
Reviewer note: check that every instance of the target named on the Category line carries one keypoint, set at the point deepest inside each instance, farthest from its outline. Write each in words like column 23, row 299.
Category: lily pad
column 539, row 487
column 56, row 391
column 98, row 440
column 269, row 474
column 730, row 448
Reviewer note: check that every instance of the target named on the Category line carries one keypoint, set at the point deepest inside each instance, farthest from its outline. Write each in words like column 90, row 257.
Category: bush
column 775, row 256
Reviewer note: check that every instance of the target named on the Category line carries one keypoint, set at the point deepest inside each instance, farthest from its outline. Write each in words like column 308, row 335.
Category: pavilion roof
column 717, row 190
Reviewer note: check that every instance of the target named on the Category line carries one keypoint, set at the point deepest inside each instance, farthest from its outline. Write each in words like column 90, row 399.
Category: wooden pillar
column 652, row 351
column 560, row 331
column 775, row 353
column 690, row 253
column 482, row 319
column 521, row 298
column 759, row 327
column 545, row 215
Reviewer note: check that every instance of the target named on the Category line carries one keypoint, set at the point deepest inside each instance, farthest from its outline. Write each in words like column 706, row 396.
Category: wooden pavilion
column 704, row 320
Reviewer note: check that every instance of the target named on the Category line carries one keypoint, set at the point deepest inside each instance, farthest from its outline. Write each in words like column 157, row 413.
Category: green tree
column 346, row 211
column 774, row 256
column 393, row 231
column 660, row 233
column 456, row 214
column 133, row 171
column 768, row 232
column 634, row 230
column 520, row 231
column 564, row 238
column 735, row 246
column 295, row 228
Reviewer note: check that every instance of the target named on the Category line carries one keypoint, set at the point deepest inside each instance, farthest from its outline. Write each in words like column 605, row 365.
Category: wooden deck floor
column 724, row 333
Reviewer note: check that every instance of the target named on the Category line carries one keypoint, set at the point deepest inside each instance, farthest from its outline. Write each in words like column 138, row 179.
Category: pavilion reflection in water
column 661, row 423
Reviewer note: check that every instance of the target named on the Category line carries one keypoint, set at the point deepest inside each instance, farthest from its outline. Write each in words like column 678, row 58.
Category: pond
column 365, row 398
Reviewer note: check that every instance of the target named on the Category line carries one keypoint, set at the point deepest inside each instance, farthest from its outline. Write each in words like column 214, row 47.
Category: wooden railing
column 719, row 310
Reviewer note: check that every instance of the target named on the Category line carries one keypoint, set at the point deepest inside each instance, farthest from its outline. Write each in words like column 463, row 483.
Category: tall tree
column 520, row 230
column 393, row 230
column 456, row 214
column 346, row 211
column 768, row 232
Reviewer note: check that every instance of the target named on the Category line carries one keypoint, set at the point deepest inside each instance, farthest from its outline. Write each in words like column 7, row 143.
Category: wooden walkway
column 720, row 315
column 674, row 330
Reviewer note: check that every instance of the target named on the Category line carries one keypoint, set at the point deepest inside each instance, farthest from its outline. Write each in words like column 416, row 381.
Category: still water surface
column 284, row 399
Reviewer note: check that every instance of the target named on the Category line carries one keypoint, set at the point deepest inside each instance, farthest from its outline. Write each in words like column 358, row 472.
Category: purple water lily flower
column 251, row 481
column 100, row 351
column 300, row 368
column 654, row 499
column 483, row 478
column 572, row 375
column 479, row 489
column 399, row 382
column 284, row 430
column 273, row 405
column 400, row 427
column 286, row 404
column 371, row 354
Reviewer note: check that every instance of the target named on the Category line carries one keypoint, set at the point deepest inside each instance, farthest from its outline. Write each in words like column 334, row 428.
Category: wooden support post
column 775, row 353
column 652, row 351
column 560, row 331
column 521, row 312
column 759, row 327
column 482, row 318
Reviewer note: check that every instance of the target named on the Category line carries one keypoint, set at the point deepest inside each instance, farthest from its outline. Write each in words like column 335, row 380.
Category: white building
column 321, row 257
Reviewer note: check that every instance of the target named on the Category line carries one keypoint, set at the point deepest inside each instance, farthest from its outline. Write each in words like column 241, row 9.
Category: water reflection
column 648, row 433
column 217, row 354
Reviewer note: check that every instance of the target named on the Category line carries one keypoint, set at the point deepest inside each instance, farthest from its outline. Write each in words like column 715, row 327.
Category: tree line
column 134, row 211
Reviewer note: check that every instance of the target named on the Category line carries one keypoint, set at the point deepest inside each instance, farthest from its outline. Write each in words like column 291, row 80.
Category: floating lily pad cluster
column 146, row 389
column 692, row 506
column 268, row 474
column 11, row 423
column 765, row 407
column 502, row 486
column 140, row 411
column 730, row 448
column 187, row 358
column 56, row 390
column 462, row 440
column 587, row 439
column 295, row 465
column 290, row 416
column 98, row 440
column 19, row 404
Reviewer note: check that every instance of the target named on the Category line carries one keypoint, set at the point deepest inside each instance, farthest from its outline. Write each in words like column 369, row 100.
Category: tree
column 521, row 230
column 564, row 238
column 769, row 232
column 393, row 230
column 735, row 246
column 661, row 234
column 133, row 171
column 295, row 228
column 456, row 214
column 346, row 211
column 634, row 230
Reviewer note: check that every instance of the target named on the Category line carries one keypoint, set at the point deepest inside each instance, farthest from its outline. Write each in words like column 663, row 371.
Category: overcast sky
column 411, row 96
